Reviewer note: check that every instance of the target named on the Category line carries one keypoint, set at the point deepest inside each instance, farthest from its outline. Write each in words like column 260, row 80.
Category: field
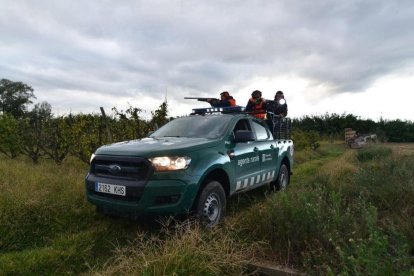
column 345, row 212
column 402, row 148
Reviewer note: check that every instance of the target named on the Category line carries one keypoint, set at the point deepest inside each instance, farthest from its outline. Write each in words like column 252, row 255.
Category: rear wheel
column 211, row 205
column 282, row 180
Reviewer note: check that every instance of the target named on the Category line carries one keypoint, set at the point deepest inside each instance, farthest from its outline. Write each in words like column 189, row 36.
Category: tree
column 10, row 137
column 33, row 130
column 128, row 124
column 86, row 135
column 57, row 142
column 160, row 116
column 14, row 97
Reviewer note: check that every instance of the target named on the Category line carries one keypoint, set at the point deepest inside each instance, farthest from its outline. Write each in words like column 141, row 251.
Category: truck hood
column 151, row 147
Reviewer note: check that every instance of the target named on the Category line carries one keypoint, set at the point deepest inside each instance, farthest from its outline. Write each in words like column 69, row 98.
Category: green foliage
column 160, row 116
column 39, row 133
column 10, row 136
column 305, row 139
column 57, row 142
column 356, row 224
column 14, row 97
column 87, row 134
column 398, row 131
column 128, row 124
column 33, row 128
column 373, row 152
column 333, row 125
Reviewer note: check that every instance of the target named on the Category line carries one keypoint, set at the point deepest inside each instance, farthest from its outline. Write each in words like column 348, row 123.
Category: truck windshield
column 210, row 127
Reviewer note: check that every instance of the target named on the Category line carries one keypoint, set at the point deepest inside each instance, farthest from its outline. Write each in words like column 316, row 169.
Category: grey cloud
column 135, row 47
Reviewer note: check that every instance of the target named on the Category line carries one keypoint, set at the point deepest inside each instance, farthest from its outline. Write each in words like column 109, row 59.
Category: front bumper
column 154, row 196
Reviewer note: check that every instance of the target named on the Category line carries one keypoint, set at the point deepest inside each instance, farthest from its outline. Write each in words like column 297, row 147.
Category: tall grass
column 373, row 152
column 359, row 223
column 345, row 212
column 181, row 250
column 46, row 225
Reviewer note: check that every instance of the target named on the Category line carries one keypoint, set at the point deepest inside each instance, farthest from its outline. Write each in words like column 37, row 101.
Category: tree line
column 331, row 126
column 37, row 133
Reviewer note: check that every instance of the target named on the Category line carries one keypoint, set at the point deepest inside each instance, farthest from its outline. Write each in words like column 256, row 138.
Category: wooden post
column 108, row 127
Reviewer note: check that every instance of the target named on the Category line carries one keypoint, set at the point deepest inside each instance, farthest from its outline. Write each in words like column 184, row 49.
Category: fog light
column 164, row 200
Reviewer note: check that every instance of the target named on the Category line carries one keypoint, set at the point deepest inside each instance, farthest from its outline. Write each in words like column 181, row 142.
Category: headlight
column 166, row 163
column 92, row 157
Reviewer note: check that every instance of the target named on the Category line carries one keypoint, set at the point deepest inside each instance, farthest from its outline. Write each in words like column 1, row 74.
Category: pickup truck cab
column 191, row 164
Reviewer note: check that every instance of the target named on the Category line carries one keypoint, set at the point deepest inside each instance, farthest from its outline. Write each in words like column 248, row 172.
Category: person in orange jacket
column 225, row 100
column 256, row 105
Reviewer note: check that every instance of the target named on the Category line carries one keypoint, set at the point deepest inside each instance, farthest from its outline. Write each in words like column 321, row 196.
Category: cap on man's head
column 256, row 93
column 225, row 94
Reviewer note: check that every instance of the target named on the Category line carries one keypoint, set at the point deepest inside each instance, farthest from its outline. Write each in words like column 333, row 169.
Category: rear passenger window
column 241, row 125
column 261, row 131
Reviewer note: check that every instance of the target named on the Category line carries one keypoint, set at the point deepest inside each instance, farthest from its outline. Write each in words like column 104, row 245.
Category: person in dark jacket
column 280, row 107
column 277, row 109
column 225, row 100
column 256, row 105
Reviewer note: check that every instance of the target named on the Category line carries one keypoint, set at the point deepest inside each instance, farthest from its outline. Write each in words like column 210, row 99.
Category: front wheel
column 211, row 205
column 283, row 178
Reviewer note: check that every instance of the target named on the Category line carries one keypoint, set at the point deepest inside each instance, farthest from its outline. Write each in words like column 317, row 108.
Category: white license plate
column 110, row 189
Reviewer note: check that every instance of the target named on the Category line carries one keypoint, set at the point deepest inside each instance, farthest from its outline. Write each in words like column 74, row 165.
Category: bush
column 360, row 223
column 373, row 152
column 305, row 139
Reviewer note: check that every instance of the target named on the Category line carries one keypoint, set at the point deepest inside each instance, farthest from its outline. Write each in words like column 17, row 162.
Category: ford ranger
column 193, row 164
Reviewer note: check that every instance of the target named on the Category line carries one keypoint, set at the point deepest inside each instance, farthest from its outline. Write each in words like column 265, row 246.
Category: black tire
column 283, row 178
column 211, row 204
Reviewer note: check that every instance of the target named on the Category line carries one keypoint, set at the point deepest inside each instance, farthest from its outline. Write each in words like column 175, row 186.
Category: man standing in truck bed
column 225, row 100
column 256, row 105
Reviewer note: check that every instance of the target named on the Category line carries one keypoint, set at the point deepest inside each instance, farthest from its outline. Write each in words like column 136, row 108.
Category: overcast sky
column 352, row 56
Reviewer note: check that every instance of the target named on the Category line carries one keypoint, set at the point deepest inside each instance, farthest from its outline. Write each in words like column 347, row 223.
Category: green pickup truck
column 193, row 164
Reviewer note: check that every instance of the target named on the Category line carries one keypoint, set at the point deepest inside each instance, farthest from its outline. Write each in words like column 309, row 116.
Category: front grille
column 121, row 167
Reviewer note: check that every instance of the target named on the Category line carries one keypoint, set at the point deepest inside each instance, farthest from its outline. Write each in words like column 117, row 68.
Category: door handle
column 255, row 149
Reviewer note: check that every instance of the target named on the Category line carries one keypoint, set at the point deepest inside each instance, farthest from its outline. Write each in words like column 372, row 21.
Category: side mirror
column 242, row 136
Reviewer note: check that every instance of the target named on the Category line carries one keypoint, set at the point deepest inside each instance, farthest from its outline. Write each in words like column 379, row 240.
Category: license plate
column 110, row 189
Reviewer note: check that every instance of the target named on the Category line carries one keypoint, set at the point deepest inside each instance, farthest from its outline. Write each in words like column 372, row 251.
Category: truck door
column 268, row 152
column 246, row 159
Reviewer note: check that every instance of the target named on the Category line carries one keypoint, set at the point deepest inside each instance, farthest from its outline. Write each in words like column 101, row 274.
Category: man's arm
column 249, row 106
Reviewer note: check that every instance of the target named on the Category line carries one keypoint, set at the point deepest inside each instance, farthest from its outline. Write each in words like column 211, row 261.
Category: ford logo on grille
column 114, row 168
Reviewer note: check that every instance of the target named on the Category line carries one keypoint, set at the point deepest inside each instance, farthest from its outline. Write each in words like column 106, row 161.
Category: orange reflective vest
column 231, row 101
column 257, row 107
